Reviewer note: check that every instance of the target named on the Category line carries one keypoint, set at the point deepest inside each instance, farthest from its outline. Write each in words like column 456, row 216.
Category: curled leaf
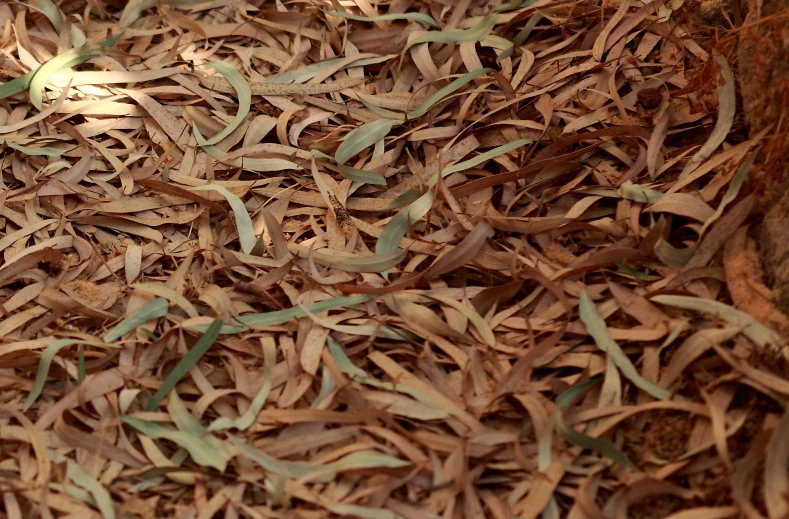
column 244, row 95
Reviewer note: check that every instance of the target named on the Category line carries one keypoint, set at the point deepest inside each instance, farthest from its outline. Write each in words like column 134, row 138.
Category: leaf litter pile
column 411, row 259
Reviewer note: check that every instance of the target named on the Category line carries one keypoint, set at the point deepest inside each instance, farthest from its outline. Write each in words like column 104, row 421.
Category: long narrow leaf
column 752, row 328
column 395, row 229
column 200, row 451
column 733, row 190
column 476, row 33
column 362, row 138
column 43, row 369
column 283, row 316
column 454, row 86
column 68, row 59
column 17, row 85
column 244, row 95
column 416, row 17
column 604, row 447
column 246, row 232
column 86, row 480
column 52, row 12
column 596, row 327
column 153, row 310
column 727, row 100
column 186, row 363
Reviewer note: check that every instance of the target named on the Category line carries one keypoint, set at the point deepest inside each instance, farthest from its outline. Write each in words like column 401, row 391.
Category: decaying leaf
column 383, row 260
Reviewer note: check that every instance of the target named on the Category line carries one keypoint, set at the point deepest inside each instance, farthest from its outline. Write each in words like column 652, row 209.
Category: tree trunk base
column 763, row 66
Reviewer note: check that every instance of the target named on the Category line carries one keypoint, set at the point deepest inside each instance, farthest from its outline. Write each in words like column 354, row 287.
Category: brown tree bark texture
column 763, row 65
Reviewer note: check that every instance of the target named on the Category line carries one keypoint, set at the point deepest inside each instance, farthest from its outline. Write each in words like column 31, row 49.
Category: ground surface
column 456, row 279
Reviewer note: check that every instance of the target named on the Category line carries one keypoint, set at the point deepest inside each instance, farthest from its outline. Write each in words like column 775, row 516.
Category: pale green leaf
column 361, row 176
column 638, row 193
column 246, row 232
column 283, row 316
column 377, row 330
column 368, row 459
column 362, row 138
column 411, row 195
column 357, row 175
column 513, row 6
column 733, row 190
column 52, row 12
column 727, row 107
column 604, row 447
column 201, row 451
column 288, row 469
column 476, row 33
column 343, row 362
column 363, row 512
column 246, row 420
column 672, row 256
column 84, row 479
column 153, row 310
column 358, row 375
column 484, row 157
column 454, row 86
column 356, row 263
column 303, row 74
column 416, row 17
column 134, row 8
column 568, row 398
column 327, row 386
column 77, row 37
column 35, row 151
column 382, row 112
column 497, row 42
column 169, row 294
column 527, row 29
column 596, row 327
column 185, row 421
column 43, row 369
column 574, row 393
column 68, row 59
column 479, row 323
column 627, row 269
column 753, row 329
column 244, row 95
column 394, row 231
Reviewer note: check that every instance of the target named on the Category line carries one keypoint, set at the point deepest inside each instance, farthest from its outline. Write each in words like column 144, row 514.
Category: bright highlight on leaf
column 52, row 12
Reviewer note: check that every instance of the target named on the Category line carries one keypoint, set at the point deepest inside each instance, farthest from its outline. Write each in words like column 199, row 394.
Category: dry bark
column 763, row 59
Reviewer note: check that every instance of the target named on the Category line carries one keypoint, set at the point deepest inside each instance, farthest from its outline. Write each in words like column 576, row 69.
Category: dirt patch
column 667, row 435
column 657, row 506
